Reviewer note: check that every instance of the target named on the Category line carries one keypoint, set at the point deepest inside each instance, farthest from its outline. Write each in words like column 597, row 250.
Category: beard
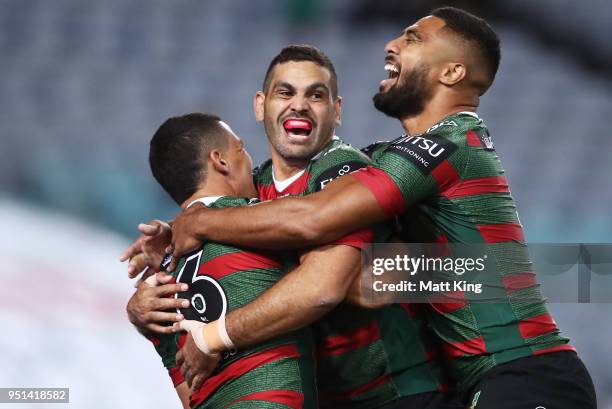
column 407, row 99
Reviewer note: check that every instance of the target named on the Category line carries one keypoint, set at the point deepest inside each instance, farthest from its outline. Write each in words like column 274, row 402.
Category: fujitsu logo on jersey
column 426, row 144
column 426, row 153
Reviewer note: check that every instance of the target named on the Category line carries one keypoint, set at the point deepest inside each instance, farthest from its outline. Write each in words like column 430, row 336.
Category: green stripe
column 283, row 374
column 488, row 208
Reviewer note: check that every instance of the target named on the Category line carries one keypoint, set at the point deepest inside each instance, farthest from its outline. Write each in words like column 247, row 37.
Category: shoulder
column 338, row 159
column 337, row 152
column 228, row 201
column 262, row 174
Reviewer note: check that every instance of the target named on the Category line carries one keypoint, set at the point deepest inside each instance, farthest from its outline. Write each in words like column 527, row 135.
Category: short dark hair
column 179, row 150
column 476, row 30
column 303, row 52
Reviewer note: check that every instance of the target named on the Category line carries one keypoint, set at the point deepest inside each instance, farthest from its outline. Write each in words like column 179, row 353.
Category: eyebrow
column 310, row 88
column 316, row 85
column 283, row 84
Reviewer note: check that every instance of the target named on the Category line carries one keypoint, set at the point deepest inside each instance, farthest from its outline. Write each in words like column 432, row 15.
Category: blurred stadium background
column 84, row 84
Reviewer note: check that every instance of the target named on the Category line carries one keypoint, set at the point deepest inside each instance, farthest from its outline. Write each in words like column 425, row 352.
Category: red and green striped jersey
column 275, row 373
column 365, row 358
column 451, row 178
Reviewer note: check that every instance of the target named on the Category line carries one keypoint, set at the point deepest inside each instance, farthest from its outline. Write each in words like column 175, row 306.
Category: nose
column 392, row 47
column 299, row 103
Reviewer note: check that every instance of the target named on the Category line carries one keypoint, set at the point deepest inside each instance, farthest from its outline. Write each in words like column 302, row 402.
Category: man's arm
column 183, row 392
column 301, row 297
column 345, row 205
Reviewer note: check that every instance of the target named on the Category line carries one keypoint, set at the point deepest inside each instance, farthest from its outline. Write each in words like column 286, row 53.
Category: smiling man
column 444, row 170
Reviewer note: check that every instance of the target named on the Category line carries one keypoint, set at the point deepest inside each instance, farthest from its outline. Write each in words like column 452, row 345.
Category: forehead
column 300, row 73
column 427, row 26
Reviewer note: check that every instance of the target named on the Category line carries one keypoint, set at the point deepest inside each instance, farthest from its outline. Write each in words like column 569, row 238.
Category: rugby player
column 366, row 358
column 196, row 158
column 445, row 170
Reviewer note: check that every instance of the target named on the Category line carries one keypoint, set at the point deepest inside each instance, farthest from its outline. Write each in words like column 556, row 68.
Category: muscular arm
column 294, row 222
column 304, row 295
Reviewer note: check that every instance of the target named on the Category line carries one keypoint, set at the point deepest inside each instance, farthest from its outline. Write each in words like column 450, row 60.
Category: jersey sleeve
column 166, row 347
column 336, row 163
column 412, row 169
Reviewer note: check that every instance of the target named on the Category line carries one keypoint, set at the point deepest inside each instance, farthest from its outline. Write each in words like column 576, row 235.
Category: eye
column 284, row 93
column 317, row 96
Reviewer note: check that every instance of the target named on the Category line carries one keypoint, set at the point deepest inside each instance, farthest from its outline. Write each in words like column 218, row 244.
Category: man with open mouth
column 503, row 355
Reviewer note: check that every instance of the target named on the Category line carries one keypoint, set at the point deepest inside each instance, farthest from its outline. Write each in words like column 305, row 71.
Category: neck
column 209, row 191
column 284, row 168
column 437, row 109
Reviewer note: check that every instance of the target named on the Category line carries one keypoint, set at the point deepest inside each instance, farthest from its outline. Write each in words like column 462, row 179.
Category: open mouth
column 393, row 72
column 297, row 128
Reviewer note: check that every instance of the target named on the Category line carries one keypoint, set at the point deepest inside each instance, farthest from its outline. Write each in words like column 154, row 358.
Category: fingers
column 170, row 289
column 165, row 304
column 160, row 329
column 180, row 359
column 132, row 250
column 159, row 316
column 163, row 278
column 197, row 382
column 136, row 265
column 149, row 278
column 149, row 229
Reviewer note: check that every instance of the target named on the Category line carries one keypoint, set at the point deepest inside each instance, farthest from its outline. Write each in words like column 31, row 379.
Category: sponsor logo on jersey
column 485, row 139
column 425, row 152
column 335, row 171
column 441, row 124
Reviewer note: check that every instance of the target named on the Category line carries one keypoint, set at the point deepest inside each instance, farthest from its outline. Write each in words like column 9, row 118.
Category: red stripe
column 519, row 281
column 353, row 393
column 182, row 338
column 240, row 367
column 340, row 344
column 230, row 263
column 473, row 346
column 472, row 138
column 154, row 339
column 538, row 325
column 292, row 399
column 412, row 309
column 266, row 192
column 443, row 303
column 497, row 233
column 470, row 187
column 358, row 239
column 565, row 347
column 388, row 195
column 176, row 375
column 446, row 176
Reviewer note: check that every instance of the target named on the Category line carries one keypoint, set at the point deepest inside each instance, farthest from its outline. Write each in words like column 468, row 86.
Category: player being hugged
column 199, row 161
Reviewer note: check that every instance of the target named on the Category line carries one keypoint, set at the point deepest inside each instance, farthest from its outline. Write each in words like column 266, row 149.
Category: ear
column 453, row 73
column 338, row 109
column 218, row 162
column 258, row 105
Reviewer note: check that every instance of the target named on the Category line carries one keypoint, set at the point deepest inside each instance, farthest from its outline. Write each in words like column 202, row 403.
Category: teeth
column 392, row 68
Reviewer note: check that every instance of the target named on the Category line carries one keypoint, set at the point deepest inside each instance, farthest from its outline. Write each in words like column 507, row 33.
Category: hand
column 149, row 249
column 149, row 306
column 184, row 234
column 195, row 365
